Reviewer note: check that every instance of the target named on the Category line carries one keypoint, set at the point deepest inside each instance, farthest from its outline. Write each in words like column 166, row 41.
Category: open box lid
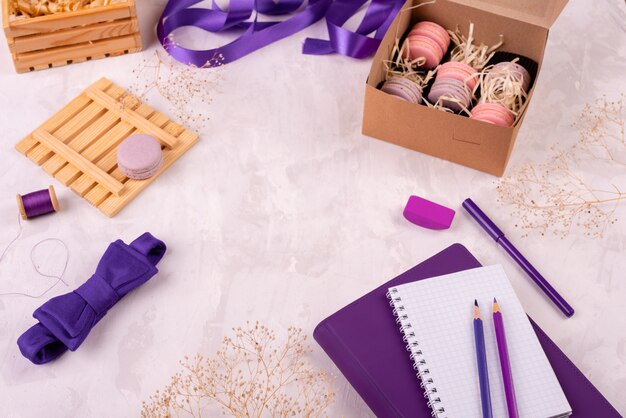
column 538, row 12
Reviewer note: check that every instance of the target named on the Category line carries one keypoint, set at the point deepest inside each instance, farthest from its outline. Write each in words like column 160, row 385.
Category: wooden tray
column 78, row 145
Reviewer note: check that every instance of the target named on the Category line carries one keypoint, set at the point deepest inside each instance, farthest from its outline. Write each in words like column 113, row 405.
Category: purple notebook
column 364, row 341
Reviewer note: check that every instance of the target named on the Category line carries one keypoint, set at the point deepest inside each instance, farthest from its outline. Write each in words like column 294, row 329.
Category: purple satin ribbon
column 242, row 15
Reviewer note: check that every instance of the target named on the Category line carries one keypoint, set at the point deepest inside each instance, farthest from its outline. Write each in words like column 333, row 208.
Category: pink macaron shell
column 433, row 31
column 493, row 113
column 441, row 32
column 496, row 109
column 139, row 156
column 459, row 71
column 421, row 46
column 491, row 118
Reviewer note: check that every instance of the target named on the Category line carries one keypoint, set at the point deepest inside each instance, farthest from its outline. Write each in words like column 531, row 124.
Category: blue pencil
column 481, row 360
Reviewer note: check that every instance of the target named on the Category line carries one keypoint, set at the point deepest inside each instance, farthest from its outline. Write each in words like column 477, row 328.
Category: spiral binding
column 419, row 362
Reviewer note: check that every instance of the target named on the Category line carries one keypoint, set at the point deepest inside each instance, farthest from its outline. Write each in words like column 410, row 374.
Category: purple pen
column 498, row 236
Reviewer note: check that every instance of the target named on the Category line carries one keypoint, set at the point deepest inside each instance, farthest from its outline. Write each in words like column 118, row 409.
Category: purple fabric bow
column 66, row 320
column 357, row 44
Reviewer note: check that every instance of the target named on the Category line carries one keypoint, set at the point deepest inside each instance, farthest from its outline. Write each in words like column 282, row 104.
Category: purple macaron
column 519, row 72
column 404, row 89
column 139, row 156
column 444, row 89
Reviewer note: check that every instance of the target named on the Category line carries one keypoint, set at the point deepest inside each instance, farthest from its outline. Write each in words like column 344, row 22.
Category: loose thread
column 19, row 234
column 35, row 265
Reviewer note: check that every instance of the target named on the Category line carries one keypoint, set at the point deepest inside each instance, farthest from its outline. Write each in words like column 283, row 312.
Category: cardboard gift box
column 457, row 138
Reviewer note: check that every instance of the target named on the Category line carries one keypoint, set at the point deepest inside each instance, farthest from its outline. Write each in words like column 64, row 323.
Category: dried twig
column 187, row 89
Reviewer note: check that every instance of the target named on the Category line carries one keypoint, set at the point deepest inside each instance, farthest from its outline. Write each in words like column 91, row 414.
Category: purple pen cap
column 482, row 219
column 428, row 214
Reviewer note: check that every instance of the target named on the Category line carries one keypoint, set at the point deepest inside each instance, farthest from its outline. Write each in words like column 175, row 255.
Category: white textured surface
column 284, row 213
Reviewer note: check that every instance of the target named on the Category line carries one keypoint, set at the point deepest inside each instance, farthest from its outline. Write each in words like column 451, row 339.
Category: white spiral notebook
column 435, row 316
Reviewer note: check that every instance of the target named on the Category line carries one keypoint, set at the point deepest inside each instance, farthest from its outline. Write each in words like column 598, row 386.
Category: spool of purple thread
column 38, row 203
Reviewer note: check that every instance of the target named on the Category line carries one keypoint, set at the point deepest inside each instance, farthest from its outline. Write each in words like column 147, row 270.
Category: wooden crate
column 64, row 38
column 78, row 145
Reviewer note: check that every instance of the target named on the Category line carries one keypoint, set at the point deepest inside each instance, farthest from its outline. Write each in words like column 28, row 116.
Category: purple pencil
column 505, row 364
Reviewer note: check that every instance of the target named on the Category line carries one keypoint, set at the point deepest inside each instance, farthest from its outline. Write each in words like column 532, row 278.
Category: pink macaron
column 493, row 113
column 423, row 47
column 139, row 156
column 450, row 93
column 458, row 71
column 404, row 89
column 433, row 31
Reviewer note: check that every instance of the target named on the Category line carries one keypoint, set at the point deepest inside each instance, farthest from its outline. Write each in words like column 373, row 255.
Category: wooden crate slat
column 78, row 160
column 67, row 20
column 106, row 158
column 91, row 134
column 85, row 154
column 61, row 55
column 73, row 36
column 6, row 13
column 131, row 116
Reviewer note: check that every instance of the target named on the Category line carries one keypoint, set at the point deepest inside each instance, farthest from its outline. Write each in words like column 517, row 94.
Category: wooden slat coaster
column 78, row 145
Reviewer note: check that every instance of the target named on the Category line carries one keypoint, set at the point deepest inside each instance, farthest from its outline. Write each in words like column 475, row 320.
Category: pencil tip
column 475, row 303
column 496, row 306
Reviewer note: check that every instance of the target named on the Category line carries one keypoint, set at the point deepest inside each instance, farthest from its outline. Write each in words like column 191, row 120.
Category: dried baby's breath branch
column 476, row 56
column 559, row 195
column 603, row 132
column 187, row 89
column 252, row 375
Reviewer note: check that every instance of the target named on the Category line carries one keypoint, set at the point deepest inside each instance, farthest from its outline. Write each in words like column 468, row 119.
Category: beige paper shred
column 24, row 9
column 399, row 65
column 465, row 51
column 502, row 86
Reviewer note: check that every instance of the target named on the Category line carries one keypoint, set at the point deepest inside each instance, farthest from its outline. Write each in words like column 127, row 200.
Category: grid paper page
column 439, row 315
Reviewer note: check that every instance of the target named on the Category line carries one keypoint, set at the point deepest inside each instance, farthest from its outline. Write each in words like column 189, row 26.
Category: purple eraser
column 428, row 214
